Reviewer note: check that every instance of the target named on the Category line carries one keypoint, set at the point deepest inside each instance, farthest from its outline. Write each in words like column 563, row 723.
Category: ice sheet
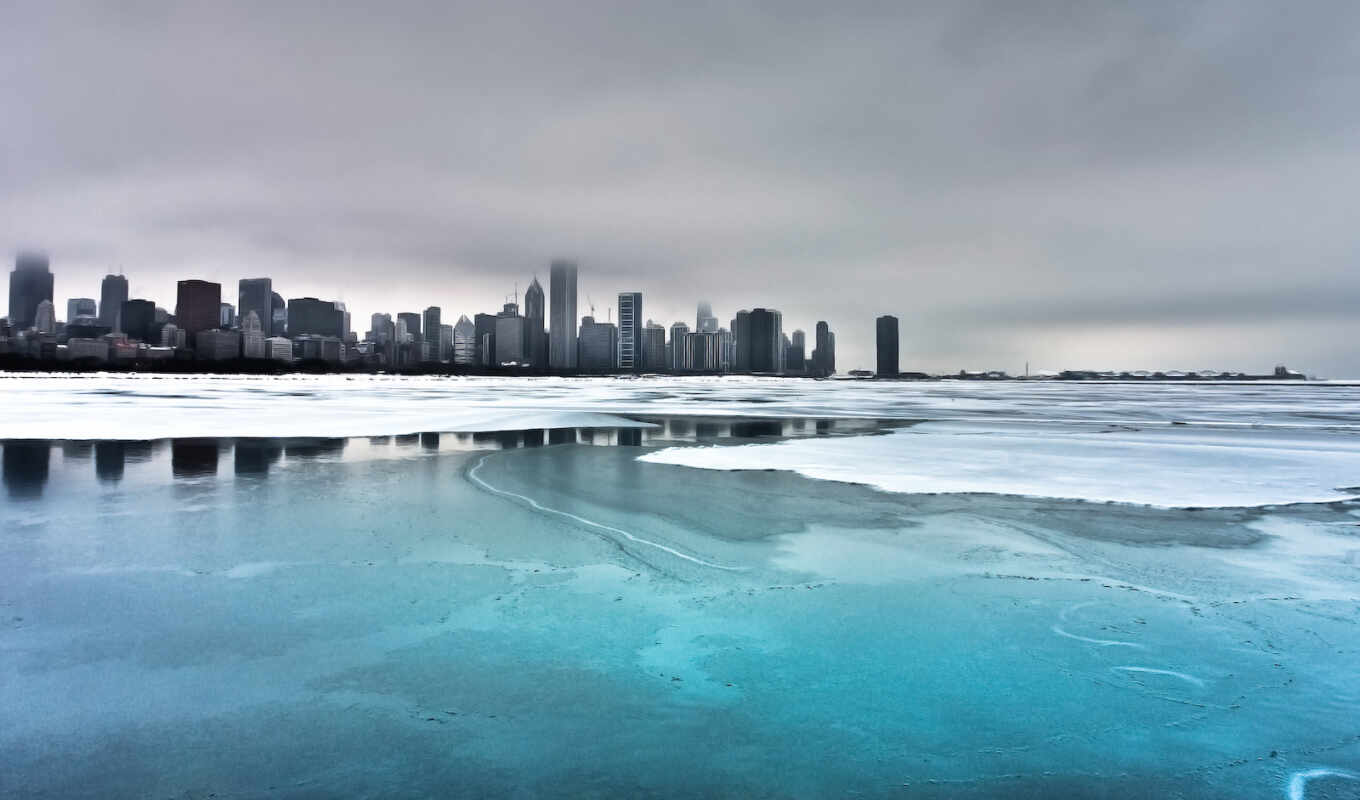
column 105, row 406
column 1173, row 467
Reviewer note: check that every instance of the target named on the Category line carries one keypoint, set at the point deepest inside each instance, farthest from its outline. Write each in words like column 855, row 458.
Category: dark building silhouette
column 795, row 358
column 197, row 306
column 109, row 458
column 630, row 331
column 741, row 341
column 824, row 351
column 562, row 322
column 484, row 326
column 704, row 321
column 278, row 311
column 536, row 348
column 29, row 284
column 766, row 340
column 113, row 292
column 512, row 336
column 430, row 336
column 256, row 456
column 598, row 343
column 887, row 347
column 139, row 320
column 308, row 315
column 412, row 321
column 193, row 458
column 25, row 466
column 256, row 294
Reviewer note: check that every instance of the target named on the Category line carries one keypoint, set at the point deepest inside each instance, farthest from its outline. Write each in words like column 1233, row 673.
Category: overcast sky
column 1072, row 184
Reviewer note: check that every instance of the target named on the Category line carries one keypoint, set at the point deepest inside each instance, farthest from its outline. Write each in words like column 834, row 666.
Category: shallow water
column 537, row 612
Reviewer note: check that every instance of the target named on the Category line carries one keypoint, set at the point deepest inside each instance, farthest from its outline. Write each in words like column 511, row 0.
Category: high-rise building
column 795, row 355
column 562, row 351
column 45, row 317
column 741, row 341
column 536, row 348
column 445, row 343
column 226, row 317
column 197, row 306
column 765, row 339
column 216, row 344
column 630, row 330
column 512, row 339
column 429, row 321
column 113, row 292
column 704, row 321
column 254, row 294
column 484, row 328
column 29, row 284
column 652, row 348
column 887, row 346
column 412, row 321
column 252, row 335
column 824, row 351
column 311, row 316
column 139, row 320
column 80, row 307
column 464, row 342
column 704, row 351
column 679, row 347
column 278, row 310
column 598, row 343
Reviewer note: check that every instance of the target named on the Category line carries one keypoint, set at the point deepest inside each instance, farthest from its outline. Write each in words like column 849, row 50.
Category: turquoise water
column 538, row 613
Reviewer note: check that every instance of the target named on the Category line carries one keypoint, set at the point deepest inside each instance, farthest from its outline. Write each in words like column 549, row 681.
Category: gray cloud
column 1148, row 185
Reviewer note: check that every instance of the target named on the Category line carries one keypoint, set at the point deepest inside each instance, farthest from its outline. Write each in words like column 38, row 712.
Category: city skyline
column 1010, row 190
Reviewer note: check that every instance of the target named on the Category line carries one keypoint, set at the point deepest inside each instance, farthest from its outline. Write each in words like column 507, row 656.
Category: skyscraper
column 741, row 341
column 679, row 347
column 113, row 292
column 766, row 340
column 484, row 328
column 511, row 336
column 704, row 321
column 599, row 346
column 562, row 351
column 226, row 316
column 197, row 306
column 824, row 351
column 795, row 357
column 308, row 315
column 45, row 317
column 429, row 351
column 412, row 321
column 253, row 294
column 536, row 348
column 278, row 311
column 630, row 330
column 139, row 320
column 652, row 348
column 464, row 342
column 887, row 347
column 80, row 307
column 29, row 284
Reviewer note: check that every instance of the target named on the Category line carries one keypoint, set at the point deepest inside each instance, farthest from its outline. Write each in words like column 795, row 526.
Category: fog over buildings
column 1151, row 185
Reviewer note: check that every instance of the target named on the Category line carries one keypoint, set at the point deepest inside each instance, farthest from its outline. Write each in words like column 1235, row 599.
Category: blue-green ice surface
column 531, row 614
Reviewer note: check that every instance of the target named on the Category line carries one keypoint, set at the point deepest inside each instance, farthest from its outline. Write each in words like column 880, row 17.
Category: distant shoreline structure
column 10, row 364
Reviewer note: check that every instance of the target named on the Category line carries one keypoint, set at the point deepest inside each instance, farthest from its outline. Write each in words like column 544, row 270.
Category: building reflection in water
column 312, row 449
column 109, row 458
column 408, row 439
column 193, row 458
column 25, row 467
column 429, row 441
column 256, row 456
column 76, row 450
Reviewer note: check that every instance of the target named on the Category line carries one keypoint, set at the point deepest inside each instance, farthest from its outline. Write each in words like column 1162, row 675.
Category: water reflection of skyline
column 28, row 463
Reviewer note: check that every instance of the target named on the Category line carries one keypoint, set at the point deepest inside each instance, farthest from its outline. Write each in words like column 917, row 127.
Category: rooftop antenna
column 591, row 303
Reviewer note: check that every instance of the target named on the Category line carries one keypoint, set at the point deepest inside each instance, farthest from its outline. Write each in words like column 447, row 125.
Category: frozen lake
column 317, row 587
